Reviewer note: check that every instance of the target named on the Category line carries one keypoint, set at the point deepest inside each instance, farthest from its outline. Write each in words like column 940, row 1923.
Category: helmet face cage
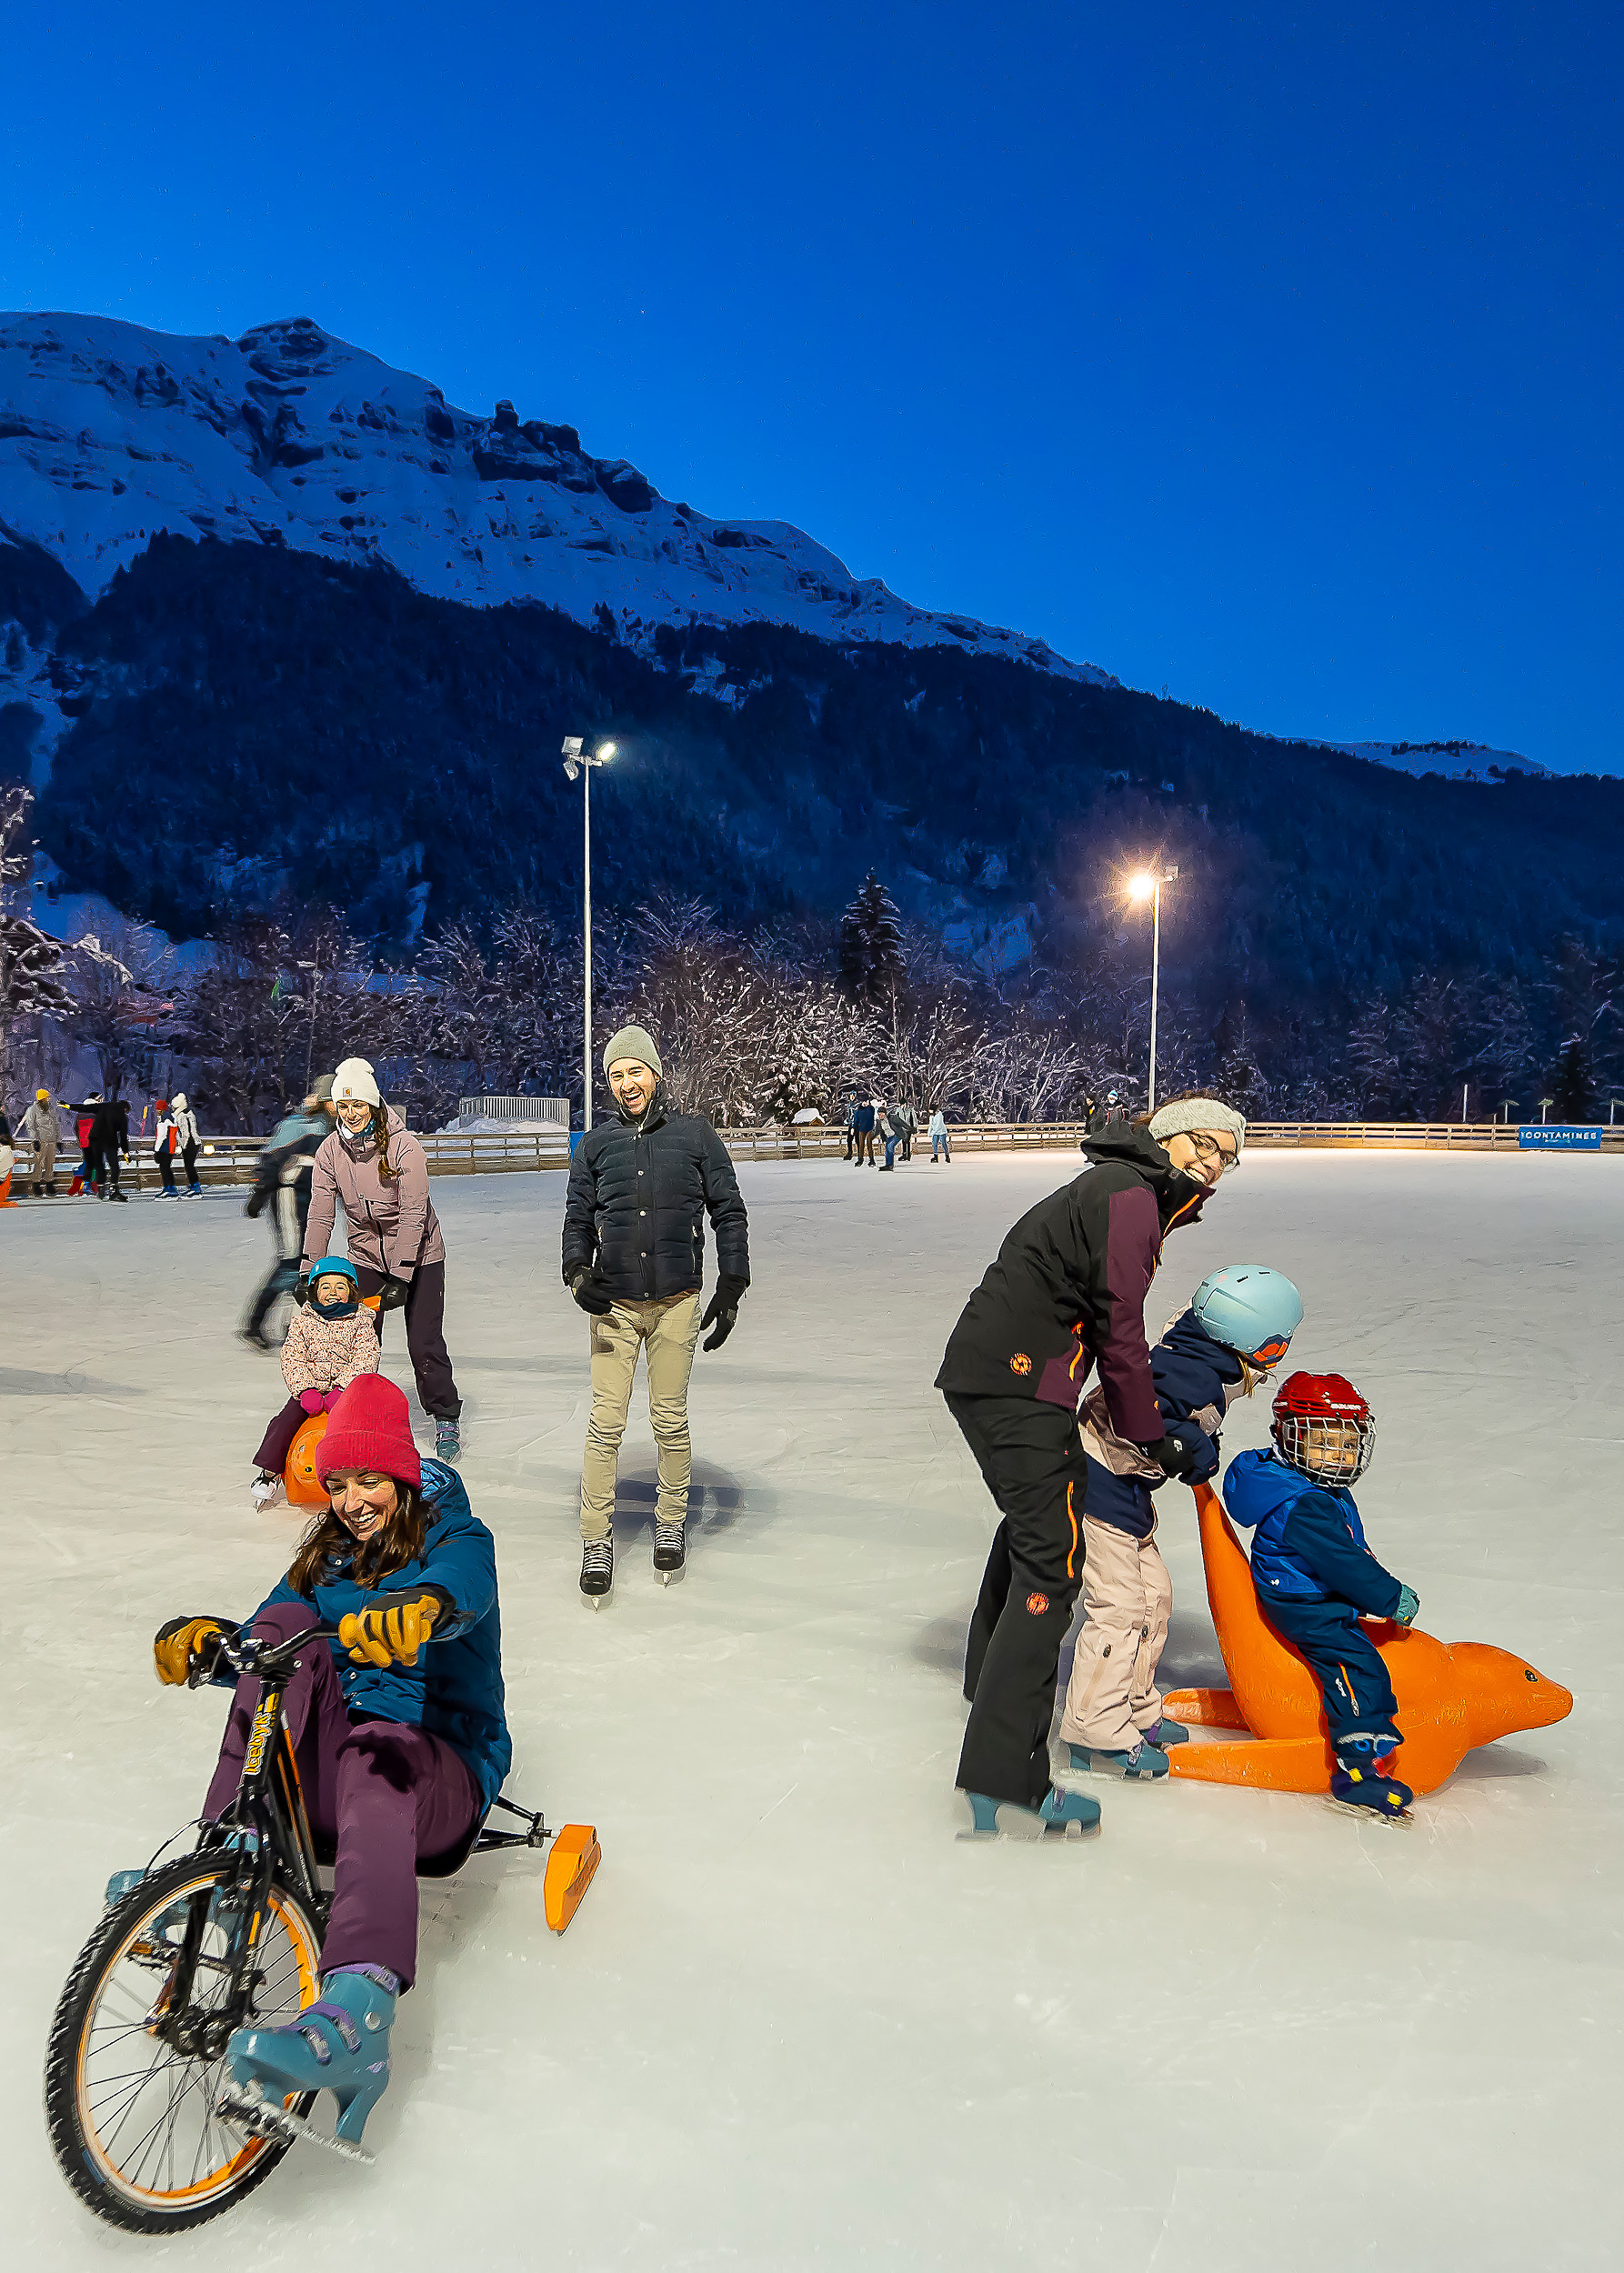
column 1332, row 1448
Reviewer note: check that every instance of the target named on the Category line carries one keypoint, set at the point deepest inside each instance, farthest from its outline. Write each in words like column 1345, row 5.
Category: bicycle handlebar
column 246, row 1653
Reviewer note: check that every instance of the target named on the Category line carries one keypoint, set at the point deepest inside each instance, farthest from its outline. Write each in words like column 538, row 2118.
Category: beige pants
column 666, row 1332
column 1128, row 1599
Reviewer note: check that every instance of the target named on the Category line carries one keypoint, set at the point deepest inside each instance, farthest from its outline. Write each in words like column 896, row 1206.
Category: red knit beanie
column 371, row 1428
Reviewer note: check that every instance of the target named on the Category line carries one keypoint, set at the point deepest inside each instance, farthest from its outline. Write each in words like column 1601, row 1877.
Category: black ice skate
column 671, row 1552
column 1383, row 1797
column 597, row 1572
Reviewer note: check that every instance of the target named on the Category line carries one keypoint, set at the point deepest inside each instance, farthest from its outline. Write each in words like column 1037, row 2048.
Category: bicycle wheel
column 131, row 2112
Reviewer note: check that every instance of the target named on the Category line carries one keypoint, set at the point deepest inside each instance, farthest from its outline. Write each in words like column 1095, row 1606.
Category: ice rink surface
column 795, row 2022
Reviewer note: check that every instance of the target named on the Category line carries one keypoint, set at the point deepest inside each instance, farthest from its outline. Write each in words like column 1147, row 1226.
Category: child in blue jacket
column 1315, row 1577
column 1239, row 1324
column 397, row 1725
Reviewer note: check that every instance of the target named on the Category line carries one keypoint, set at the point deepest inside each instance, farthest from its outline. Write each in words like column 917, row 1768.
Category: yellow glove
column 184, row 1645
column 394, row 1626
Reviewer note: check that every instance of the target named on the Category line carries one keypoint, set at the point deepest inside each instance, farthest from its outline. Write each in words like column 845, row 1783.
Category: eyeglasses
column 1209, row 1149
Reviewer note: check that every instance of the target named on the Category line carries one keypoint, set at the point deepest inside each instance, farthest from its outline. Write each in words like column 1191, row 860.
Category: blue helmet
column 1252, row 1310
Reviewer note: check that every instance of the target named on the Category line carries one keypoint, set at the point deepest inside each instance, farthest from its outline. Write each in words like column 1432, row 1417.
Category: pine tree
column 32, row 981
column 1573, row 1092
column 872, row 965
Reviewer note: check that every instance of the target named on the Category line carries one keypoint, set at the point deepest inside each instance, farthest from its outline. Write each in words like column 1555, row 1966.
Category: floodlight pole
column 1166, row 877
column 579, row 759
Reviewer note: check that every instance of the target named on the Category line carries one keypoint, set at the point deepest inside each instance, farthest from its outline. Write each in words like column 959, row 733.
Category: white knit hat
column 355, row 1082
column 1198, row 1113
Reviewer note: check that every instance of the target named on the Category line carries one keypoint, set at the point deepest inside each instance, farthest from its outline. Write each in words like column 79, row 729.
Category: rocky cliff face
column 287, row 437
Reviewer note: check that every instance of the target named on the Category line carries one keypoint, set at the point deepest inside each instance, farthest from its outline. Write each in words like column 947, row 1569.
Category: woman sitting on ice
column 331, row 1341
column 397, row 1726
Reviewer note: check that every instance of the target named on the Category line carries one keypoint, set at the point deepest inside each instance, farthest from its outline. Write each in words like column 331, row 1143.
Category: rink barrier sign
column 233, row 1159
column 1559, row 1136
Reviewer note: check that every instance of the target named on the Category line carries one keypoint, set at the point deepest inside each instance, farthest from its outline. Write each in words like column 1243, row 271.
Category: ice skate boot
column 254, row 1337
column 340, row 2045
column 1142, row 1764
column 449, row 1442
column 671, row 1552
column 193, row 1191
column 597, row 1572
column 1356, row 1781
column 266, row 1490
column 1053, row 1817
column 1166, row 1733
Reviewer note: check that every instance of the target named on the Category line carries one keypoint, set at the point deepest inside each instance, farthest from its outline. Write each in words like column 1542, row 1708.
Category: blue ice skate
column 340, row 2045
column 1053, row 1817
column 1165, row 1732
column 1355, row 1784
column 1141, row 1765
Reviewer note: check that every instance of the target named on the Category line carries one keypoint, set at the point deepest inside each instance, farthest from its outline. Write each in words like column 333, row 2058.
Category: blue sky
column 1269, row 356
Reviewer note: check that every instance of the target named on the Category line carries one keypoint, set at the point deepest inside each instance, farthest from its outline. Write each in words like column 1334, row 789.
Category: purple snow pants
column 385, row 1792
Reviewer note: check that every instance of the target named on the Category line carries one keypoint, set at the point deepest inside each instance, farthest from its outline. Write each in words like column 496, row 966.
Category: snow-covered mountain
column 1455, row 761
column 110, row 433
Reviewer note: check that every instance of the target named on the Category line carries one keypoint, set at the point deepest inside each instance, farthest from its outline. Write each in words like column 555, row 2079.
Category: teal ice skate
column 1142, row 1765
column 340, row 2045
column 1053, row 1817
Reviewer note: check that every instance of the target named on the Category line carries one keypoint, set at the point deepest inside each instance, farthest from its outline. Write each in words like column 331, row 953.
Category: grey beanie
column 633, row 1041
column 1199, row 1113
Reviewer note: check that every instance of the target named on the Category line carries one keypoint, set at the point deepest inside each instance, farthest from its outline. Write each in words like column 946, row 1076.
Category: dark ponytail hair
column 380, row 1137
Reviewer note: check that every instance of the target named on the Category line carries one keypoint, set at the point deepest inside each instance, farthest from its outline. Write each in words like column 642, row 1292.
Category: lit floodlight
column 605, row 750
column 1141, row 886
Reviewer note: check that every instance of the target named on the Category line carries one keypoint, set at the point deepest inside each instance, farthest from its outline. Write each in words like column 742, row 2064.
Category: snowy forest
column 757, row 1024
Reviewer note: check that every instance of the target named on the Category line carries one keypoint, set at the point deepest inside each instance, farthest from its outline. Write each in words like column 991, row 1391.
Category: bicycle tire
column 78, row 2120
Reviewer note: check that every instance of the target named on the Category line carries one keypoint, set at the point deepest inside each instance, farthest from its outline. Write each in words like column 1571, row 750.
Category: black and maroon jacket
column 1070, row 1285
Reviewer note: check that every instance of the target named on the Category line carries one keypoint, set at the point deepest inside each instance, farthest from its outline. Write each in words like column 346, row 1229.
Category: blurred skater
column 282, row 1194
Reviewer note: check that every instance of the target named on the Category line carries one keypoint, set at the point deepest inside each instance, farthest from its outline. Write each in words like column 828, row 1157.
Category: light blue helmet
column 1252, row 1310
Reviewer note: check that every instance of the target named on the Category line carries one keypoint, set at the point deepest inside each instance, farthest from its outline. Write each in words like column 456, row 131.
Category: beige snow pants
column 666, row 1332
column 1128, row 1599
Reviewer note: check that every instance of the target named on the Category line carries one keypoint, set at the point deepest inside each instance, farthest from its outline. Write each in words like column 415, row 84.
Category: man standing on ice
column 640, row 1186
column 1066, row 1292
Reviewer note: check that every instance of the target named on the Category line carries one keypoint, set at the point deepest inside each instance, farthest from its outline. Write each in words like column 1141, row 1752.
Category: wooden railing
column 233, row 1159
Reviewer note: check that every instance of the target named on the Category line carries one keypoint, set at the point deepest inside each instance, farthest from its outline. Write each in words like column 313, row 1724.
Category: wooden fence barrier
column 233, row 1159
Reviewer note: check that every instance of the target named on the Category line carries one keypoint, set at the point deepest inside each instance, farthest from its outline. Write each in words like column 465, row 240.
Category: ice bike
column 148, row 2131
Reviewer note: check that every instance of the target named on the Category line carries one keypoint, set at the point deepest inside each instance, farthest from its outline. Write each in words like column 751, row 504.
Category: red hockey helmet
column 1324, row 1427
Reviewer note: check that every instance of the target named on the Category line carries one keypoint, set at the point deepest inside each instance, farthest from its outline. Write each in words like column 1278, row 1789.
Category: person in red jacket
column 1066, row 1293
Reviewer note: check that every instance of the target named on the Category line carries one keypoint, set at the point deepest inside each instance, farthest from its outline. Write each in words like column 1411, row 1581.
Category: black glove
column 1186, row 1453
column 590, row 1292
column 254, row 1205
column 723, row 1312
column 393, row 1294
column 301, row 1287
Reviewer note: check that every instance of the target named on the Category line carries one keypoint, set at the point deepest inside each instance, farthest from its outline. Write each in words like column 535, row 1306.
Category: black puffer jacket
column 1070, row 1285
column 639, row 1192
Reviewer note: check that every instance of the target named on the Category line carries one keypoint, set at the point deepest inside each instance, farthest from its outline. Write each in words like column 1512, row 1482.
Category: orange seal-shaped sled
column 304, row 1488
column 1451, row 1696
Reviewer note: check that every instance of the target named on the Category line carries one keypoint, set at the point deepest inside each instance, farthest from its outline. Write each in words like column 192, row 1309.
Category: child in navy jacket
column 1315, row 1577
column 1239, row 1323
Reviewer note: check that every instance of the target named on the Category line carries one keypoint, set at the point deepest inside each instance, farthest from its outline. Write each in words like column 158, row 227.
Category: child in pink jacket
column 332, row 1338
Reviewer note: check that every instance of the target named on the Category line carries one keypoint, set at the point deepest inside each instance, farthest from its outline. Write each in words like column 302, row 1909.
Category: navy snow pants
column 1353, row 1681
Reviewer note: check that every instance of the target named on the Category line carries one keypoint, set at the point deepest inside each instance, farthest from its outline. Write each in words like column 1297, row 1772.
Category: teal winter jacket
column 455, row 1689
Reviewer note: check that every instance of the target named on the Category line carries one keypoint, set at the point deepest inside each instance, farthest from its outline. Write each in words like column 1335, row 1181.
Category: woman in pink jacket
column 377, row 1170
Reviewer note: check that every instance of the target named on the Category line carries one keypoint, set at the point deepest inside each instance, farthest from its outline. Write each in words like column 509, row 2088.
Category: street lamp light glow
column 1141, row 886
column 605, row 750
